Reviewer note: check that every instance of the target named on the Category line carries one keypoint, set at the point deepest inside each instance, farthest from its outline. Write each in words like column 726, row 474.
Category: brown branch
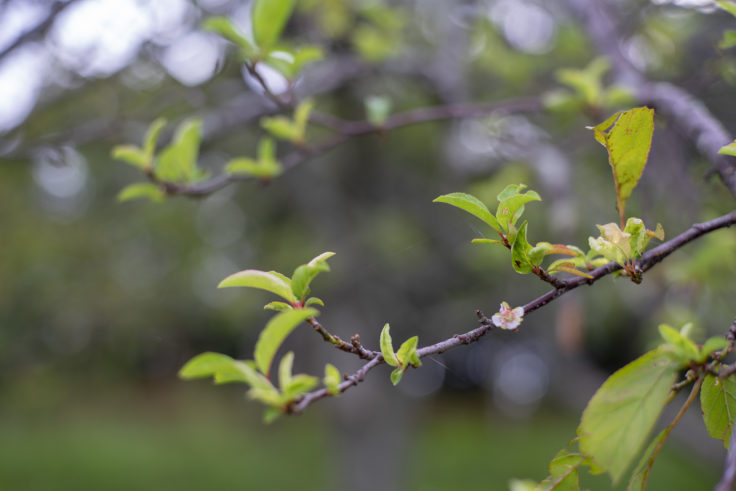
column 347, row 129
column 353, row 346
column 646, row 262
column 729, row 472
column 686, row 112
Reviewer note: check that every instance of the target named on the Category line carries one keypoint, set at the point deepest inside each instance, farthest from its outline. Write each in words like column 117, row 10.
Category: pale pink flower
column 508, row 318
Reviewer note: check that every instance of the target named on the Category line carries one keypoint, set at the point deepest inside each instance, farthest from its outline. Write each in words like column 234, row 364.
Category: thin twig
column 647, row 261
column 729, row 472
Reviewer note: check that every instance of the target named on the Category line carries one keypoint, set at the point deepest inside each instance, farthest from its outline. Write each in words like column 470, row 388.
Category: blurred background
column 102, row 302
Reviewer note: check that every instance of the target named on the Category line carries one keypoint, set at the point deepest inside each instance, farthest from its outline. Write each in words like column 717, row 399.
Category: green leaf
column 627, row 136
column 510, row 207
column 718, row 403
column 387, row 347
column 332, row 379
column 472, row 205
column 486, row 241
column 407, row 353
column 178, row 161
column 314, row 301
column 304, row 274
column 728, row 41
column 274, row 334
column 285, row 369
column 141, row 190
column 151, row 138
column 225, row 28
column 301, row 117
column 623, row 411
column 281, row 127
column 523, row 485
column 586, row 82
column 520, row 252
column 253, row 278
column 377, row 109
column 729, row 7
column 298, row 386
column 204, row 365
column 712, row 345
column 638, row 239
column 682, row 349
column 729, row 149
column 266, row 167
column 271, row 414
column 396, row 375
column 269, row 19
column 640, row 476
column 277, row 306
column 132, row 155
column 563, row 472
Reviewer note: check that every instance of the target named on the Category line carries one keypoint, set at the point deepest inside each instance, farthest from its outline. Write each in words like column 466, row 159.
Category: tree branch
column 348, row 129
column 646, row 262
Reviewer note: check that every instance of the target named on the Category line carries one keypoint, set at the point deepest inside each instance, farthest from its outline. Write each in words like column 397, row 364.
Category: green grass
column 201, row 437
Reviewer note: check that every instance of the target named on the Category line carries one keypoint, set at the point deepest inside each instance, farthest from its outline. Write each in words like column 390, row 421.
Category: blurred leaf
column 524, row 485
column 285, row 369
column 332, row 379
column 588, row 81
column 627, row 136
column 623, row 411
column 132, row 155
column 728, row 6
column 269, row 19
column 520, row 252
column 277, row 329
column 298, row 386
column 640, row 476
column 397, row 375
column 472, row 205
column 387, row 347
column 271, row 414
column 225, row 28
column 712, row 345
column 718, row 404
column 728, row 41
column 151, row 138
column 141, row 190
column 683, row 349
column 204, row 365
column 377, row 109
column 277, row 306
column 729, row 149
column 563, row 472
column 254, row 278
column 314, row 301
column 281, row 127
column 266, row 167
column 178, row 161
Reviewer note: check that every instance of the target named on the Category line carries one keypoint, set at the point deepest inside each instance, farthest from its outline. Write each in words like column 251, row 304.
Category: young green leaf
column 387, row 347
column 627, row 136
column 623, row 411
column 563, row 472
column 282, row 128
column 332, row 379
column 225, row 28
column 729, row 149
column 407, row 354
column 298, row 386
column 682, row 349
column 178, row 161
column 304, row 274
column 266, row 167
column 274, row 334
column 204, row 365
column 510, row 208
column 313, row 301
column 131, row 154
column 472, row 205
column 141, row 190
column 269, row 19
column 711, row 345
column 263, row 280
column 271, row 414
column 151, row 138
column 277, row 306
column 396, row 375
column 301, row 117
column 285, row 369
column 520, row 252
column 718, row 404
